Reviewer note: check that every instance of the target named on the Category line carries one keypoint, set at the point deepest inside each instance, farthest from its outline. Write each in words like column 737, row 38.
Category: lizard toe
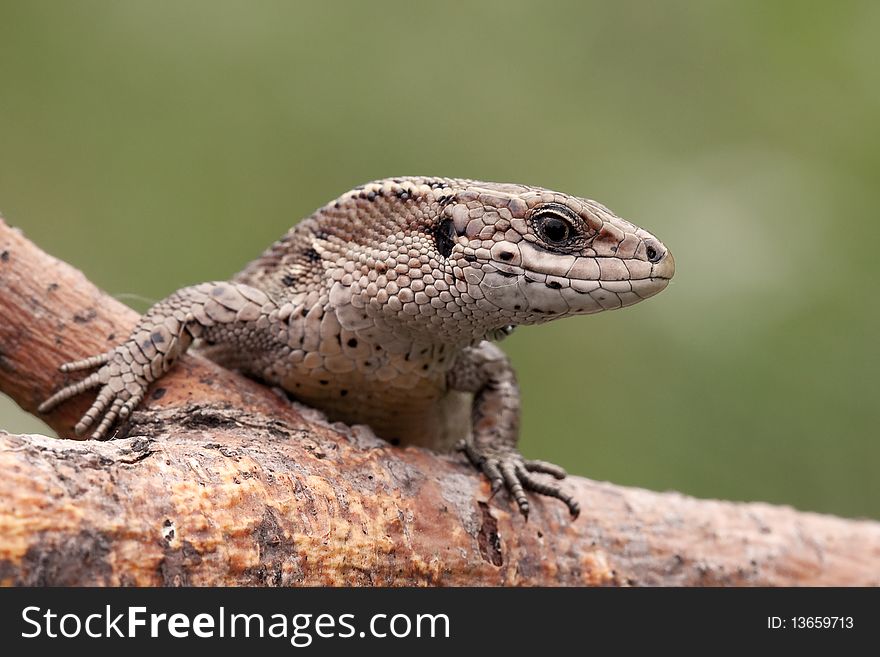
column 550, row 490
column 547, row 468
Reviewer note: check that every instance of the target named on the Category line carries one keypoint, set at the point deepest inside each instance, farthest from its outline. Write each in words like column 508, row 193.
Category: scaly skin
column 378, row 309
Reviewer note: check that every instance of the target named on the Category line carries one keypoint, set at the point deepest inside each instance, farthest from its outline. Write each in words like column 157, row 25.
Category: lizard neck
column 397, row 286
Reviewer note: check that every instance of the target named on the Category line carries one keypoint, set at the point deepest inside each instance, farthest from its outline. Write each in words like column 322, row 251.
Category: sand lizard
column 381, row 308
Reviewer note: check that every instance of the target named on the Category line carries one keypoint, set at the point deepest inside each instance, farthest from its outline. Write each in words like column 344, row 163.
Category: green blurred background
column 158, row 144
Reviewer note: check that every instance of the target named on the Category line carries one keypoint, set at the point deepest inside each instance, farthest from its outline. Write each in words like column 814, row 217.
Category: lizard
column 383, row 308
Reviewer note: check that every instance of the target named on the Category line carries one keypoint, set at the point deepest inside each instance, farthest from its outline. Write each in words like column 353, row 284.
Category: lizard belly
column 424, row 413
column 414, row 407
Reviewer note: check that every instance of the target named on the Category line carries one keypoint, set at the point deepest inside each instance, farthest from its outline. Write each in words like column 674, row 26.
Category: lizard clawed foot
column 122, row 388
column 506, row 468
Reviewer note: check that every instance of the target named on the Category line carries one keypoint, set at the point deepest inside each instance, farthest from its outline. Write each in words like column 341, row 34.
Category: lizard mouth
column 572, row 286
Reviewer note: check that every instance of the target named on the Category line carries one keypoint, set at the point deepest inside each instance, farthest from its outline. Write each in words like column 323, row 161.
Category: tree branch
column 219, row 480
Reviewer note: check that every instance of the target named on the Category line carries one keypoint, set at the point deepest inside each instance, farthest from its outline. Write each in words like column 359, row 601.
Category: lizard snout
column 661, row 259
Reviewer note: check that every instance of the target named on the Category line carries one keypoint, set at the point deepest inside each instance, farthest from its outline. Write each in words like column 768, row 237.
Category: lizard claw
column 505, row 467
column 122, row 388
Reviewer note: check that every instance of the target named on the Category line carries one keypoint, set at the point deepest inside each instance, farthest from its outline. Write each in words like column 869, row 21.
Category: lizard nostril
column 654, row 252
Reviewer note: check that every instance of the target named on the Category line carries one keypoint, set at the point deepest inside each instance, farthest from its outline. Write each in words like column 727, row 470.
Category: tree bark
column 218, row 480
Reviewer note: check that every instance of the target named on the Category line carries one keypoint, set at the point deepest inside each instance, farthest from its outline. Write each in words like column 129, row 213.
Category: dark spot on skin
column 288, row 279
column 613, row 249
column 321, row 234
column 352, row 342
column 381, row 268
column 378, row 347
column 444, row 237
column 506, row 274
column 470, row 258
column 505, row 255
column 343, row 392
column 371, row 196
column 4, row 256
column 488, row 538
column 157, row 338
column 323, row 382
column 158, row 393
column 311, row 255
column 304, row 312
column 425, row 366
column 517, row 307
column 111, row 337
column 337, row 205
column 554, row 285
column 402, row 194
column 52, row 287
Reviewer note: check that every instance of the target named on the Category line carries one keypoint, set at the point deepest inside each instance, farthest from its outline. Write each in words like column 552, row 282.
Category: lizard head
column 537, row 255
column 468, row 259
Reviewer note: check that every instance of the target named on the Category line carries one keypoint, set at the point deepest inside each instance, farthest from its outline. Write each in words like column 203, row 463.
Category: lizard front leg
column 485, row 371
column 219, row 311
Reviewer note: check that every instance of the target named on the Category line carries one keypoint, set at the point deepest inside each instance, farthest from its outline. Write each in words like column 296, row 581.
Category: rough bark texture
column 219, row 480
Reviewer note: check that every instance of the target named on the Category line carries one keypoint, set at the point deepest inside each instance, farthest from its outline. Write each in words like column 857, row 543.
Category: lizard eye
column 552, row 227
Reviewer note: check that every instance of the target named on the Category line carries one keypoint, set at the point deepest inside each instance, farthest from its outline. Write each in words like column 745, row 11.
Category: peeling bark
column 218, row 480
